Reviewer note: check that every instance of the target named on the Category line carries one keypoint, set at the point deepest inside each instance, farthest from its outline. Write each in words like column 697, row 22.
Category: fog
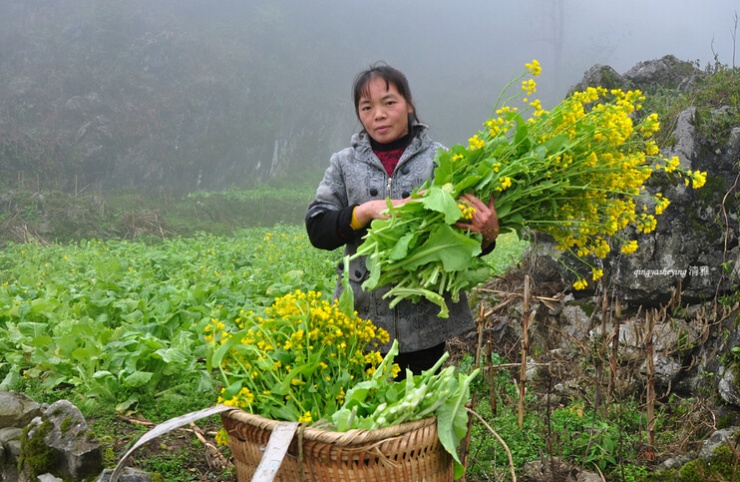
column 458, row 55
column 203, row 93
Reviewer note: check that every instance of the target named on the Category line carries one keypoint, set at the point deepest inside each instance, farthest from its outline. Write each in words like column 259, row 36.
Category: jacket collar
column 361, row 142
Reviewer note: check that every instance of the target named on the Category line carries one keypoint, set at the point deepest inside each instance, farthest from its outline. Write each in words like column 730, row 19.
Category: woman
column 392, row 155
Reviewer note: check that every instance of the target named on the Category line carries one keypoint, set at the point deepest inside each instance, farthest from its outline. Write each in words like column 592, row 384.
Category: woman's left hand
column 484, row 220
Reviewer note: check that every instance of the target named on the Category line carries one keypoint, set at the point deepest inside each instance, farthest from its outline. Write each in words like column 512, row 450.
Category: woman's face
column 383, row 111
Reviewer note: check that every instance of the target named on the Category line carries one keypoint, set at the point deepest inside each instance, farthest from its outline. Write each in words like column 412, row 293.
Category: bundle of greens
column 576, row 172
column 380, row 402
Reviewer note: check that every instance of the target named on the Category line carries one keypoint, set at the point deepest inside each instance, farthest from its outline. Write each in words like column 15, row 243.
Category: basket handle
column 277, row 447
column 164, row 428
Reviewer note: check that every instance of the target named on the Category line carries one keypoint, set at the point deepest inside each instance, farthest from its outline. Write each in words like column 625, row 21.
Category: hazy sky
column 296, row 60
column 475, row 46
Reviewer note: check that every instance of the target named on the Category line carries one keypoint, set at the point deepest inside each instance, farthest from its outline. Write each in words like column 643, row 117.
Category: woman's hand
column 377, row 209
column 484, row 220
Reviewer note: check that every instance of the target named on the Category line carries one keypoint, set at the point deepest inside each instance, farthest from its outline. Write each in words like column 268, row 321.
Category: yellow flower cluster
column 467, row 210
column 476, row 143
column 293, row 362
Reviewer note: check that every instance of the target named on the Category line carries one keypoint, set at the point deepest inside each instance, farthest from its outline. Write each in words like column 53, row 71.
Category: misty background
column 210, row 94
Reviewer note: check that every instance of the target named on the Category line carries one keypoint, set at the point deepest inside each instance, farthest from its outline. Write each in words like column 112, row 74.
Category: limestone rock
column 728, row 388
column 601, row 75
column 49, row 478
column 16, row 409
column 79, row 455
column 667, row 72
column 716, row 439
column 128, row 475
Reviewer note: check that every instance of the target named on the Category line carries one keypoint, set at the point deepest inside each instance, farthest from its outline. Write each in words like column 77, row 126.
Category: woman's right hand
column 376, row 209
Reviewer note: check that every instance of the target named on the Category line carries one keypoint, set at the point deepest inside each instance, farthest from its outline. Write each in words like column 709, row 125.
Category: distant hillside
column 106, row 94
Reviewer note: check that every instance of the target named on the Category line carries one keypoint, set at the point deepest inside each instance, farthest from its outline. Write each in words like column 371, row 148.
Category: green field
column 118, row 328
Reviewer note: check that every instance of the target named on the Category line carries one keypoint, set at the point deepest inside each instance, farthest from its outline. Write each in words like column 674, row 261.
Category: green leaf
column 469, row 181
column 219, row 354
column 232, row 390
column 452, row 417
column 138, row 379
column 440, row 200
column 400, row 293
column 453, row 248
column 347, row 298
column 400, row 250
column 343, row 418
column 128, row 403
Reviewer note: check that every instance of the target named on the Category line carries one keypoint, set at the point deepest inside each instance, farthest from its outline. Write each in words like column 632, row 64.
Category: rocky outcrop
column 666, row 73
column 678, row 277
column 694, row 249
column 49, row 443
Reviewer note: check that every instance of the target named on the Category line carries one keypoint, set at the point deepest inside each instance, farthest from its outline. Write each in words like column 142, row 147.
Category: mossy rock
column 721, row 466
column 36, row 457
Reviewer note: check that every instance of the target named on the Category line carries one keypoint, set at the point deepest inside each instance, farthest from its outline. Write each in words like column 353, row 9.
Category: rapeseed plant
column 577, row 172
column 294, row 362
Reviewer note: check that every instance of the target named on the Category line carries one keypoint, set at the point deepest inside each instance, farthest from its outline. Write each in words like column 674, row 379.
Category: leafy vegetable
column 381, row 402
column 577, row 172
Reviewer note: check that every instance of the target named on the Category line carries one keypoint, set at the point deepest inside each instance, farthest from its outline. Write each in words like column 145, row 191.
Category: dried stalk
column 615, row 349
column 525, row 345
column 650, row 449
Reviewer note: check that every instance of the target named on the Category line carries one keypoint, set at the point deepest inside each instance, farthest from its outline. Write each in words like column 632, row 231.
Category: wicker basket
column 410, row 452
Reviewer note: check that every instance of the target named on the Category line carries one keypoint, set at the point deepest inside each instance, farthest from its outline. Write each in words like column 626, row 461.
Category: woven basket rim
column 350, row 437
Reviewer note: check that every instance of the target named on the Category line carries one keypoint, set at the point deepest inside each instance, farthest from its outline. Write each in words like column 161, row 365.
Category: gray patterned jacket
column 356, row 175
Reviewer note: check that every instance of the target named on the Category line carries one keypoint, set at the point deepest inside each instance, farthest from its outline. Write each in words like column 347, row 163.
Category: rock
column 49, row 478
column 600, row 75
column 728, row 389
column 716, row 439
column 547, row 470
column 128, row 475
column 79, row 455
column 16, row 409
column 675, row 463
column 10, row 447
column 588, row 476
column 667, row 72
column 10, row 441
column 575, row 322
column 686, row 146
column 694, row 236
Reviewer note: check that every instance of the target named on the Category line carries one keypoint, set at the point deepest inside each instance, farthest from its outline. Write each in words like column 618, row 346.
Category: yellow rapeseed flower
column 529, row 86
column 534, row 67
column 698, row 179
column 475, row 143
column 672, row 164
column 504, row 183
column 630, row 247
column 222, row 437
